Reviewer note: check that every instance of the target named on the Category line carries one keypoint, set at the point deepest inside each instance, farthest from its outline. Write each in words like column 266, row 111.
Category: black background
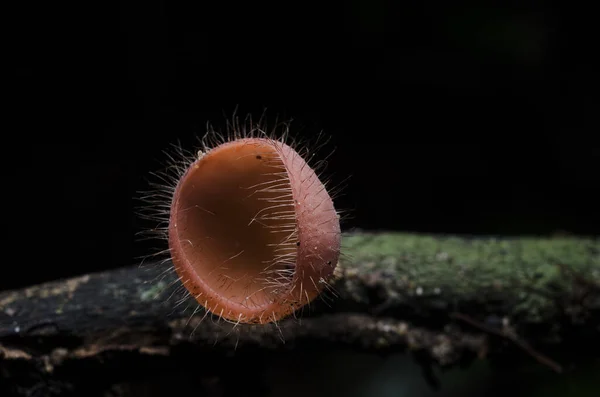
column 471, row 119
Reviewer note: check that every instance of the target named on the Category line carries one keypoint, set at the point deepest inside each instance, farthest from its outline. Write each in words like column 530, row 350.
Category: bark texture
column 444, row 299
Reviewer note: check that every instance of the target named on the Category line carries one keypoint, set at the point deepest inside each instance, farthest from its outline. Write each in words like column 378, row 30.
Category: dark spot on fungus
column 258, row 157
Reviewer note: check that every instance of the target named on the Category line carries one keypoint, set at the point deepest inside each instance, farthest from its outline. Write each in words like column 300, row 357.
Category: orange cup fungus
column 253, row 233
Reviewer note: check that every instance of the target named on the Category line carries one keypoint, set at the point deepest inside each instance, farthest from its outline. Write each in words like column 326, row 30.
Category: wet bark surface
column 445, row 300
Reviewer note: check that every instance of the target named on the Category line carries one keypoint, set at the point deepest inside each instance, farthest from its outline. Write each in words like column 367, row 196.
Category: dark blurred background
column 471, row 119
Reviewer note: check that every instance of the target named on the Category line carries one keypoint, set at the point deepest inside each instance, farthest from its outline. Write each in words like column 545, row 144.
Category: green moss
column 473, row 267
column 152, row 291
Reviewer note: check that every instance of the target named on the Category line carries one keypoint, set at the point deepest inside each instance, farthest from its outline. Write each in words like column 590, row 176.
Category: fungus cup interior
column 235, row 230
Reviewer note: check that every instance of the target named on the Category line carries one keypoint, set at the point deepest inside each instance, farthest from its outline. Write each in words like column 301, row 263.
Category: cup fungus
column 253, row 233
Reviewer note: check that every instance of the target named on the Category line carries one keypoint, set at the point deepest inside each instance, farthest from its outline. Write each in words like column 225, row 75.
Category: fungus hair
column 251, row 228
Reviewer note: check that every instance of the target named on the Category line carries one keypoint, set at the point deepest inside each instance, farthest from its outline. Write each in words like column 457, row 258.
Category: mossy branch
column 445, row 298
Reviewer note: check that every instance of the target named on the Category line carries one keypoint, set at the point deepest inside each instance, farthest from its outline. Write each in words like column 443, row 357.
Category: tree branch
column 395, row 292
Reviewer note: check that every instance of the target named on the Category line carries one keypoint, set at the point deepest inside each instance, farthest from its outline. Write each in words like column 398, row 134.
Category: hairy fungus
column 253, row 233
